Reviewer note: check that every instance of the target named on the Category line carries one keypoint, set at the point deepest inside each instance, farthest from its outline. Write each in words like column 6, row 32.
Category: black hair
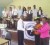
column 24, row 9
column 37, row 19
column 45, row 18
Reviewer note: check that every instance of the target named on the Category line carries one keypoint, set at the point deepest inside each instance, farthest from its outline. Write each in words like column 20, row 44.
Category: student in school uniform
column 9, row 16
column 14, row 10
column 37, row 36
column 34, row 11
column 20, row 28
column 24, row 13
column 4, row 14
column 19, row 12
column 10, row 13
column 14, row 16
column 29, row 14
column 40, row 12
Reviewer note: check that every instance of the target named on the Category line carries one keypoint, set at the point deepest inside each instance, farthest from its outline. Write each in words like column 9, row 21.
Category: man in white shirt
column 4, row 15
column 20, row 28
column 34, row 11
column 19, row 12
column 10, row 12
column 14, row 17
column 14, row 12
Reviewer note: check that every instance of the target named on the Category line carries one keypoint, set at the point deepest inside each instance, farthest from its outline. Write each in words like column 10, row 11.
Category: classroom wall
column 3, row 4
column 45, row 4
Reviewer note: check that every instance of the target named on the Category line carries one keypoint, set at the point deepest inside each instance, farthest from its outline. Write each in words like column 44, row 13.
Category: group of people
column 29, row 13
column 10, row 14
column 41, row 31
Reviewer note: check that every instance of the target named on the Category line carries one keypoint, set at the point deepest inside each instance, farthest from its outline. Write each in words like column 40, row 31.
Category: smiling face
column 44, row 19
column 38, row 20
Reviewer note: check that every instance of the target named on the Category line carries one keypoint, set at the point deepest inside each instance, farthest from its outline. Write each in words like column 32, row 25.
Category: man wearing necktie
column 29, row 14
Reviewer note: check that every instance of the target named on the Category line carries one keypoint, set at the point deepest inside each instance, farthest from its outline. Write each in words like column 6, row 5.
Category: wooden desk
column 4, row 42
column 14, row 35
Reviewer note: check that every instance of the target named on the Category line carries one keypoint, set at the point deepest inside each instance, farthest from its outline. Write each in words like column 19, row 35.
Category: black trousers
column 20, row 37
column 44, row 41
column 9, row 24
column 29, row 17
column 37, row 39
column 15, row 25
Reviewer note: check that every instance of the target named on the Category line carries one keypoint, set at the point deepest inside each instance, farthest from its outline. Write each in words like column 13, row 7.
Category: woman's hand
column 36, row 32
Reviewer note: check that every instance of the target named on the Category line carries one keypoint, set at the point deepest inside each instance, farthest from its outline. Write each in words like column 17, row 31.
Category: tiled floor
column 14, row 43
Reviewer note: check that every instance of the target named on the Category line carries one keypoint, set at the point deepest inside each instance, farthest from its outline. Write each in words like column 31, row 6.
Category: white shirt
column 29, row 12
column 34, row 11
column 14, row 11
column 19, row 12
column 39, row 12
column 4, row 13
column 24, row 13
column 20, row 25
column 10, row 13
